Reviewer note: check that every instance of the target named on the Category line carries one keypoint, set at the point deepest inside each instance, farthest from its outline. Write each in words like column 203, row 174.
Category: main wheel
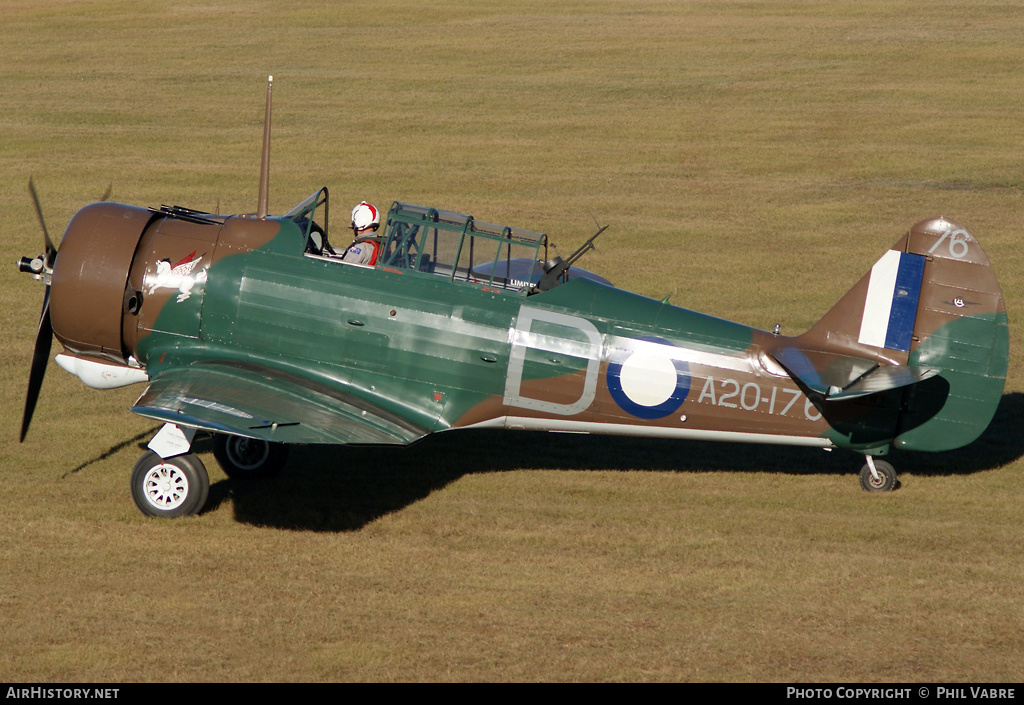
column 242, row 458
column 170, row 487
column 886, row 480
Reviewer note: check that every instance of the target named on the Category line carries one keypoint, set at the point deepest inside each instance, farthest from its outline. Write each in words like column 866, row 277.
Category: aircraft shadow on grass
column 332, row 488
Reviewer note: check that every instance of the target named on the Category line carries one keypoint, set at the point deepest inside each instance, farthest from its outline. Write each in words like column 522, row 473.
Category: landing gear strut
column 877, row 476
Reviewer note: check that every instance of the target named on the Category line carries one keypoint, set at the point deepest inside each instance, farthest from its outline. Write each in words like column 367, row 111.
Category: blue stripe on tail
column 905, row 297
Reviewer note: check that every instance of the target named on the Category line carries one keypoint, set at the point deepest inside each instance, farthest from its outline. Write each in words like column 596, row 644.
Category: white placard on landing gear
column 171, row 441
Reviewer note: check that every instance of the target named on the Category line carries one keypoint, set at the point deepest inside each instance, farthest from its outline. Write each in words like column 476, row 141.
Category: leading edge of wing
column 256, row 401
column 835, row 376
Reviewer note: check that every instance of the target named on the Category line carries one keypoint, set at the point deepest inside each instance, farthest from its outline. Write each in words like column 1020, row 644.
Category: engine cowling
column 90, row 276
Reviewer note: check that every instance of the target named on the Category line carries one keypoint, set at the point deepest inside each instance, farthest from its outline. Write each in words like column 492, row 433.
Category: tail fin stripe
column 890, row 307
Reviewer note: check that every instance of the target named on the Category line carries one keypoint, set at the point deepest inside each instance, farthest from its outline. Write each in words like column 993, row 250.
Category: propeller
column 42, row 267
column 40, row 358
column 51, row 251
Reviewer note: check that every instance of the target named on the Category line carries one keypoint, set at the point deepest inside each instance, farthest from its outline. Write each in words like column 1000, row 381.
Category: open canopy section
column 314, row 234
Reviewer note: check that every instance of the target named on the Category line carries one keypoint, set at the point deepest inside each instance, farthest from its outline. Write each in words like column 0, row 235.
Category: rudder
column 962, row 329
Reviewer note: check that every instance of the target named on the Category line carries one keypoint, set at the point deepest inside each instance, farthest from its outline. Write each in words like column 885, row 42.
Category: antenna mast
column 261, row 207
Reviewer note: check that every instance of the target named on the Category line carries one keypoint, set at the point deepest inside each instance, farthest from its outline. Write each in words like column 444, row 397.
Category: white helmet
column 364, row 216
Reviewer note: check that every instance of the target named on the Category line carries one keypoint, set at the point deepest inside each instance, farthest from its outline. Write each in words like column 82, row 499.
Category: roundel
column 647, row 382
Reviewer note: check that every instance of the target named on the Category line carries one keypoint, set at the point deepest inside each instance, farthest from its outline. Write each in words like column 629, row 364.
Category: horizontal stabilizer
column 884, row 378
column 837, row 376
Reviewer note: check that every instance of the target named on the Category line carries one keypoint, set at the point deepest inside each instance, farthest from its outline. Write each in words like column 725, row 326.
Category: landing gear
column 243, row 458
column 170, row 487
column 877, row 476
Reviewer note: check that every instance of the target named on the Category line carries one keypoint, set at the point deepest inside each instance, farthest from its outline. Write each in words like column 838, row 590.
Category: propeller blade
column 40, row 358
column 106, row 195
column 51, row 251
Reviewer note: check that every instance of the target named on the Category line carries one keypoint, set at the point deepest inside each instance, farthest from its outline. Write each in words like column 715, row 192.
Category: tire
column 171, row 487
column 885, row 482
column 243, row 458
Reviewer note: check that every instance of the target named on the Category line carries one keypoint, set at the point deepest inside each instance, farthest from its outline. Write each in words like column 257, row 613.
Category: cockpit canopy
column 443, row 243
column 456, row 246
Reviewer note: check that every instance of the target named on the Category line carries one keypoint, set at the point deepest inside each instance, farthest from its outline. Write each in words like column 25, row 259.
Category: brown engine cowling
column 90, row 275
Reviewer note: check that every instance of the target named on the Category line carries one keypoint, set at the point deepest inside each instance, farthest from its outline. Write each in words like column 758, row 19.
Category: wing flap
column 259, row 402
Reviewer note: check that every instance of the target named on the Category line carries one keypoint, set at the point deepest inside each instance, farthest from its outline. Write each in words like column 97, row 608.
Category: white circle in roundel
column 648, row 380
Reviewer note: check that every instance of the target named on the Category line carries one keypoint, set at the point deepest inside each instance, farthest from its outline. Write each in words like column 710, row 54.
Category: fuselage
column 440, row 352
column 430, row 339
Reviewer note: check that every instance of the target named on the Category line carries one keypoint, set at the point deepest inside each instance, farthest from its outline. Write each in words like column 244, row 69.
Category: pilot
column 366, row 245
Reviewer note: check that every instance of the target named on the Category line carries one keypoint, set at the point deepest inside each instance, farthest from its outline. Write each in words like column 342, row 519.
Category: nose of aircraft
column 85, row 288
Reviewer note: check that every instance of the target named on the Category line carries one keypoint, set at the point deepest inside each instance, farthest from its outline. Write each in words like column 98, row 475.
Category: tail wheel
column 242, row 458
column 170, row 487
column 882, row 480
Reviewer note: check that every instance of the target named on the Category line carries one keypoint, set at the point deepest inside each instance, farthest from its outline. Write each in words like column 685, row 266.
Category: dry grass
column 753, row 158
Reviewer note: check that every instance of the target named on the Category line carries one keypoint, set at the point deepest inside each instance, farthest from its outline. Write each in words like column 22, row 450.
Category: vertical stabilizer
column 931, row 303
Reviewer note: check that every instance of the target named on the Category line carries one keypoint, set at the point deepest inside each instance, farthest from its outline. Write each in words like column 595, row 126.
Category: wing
column 261, row 402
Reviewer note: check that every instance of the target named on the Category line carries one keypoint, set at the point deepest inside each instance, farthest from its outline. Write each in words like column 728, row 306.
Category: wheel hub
column 166, row 487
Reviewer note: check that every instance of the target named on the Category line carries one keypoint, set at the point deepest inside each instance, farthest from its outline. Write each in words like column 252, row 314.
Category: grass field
column 753, row 159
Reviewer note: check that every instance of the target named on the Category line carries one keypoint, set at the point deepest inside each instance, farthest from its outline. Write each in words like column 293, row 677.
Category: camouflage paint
column 243, row 332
